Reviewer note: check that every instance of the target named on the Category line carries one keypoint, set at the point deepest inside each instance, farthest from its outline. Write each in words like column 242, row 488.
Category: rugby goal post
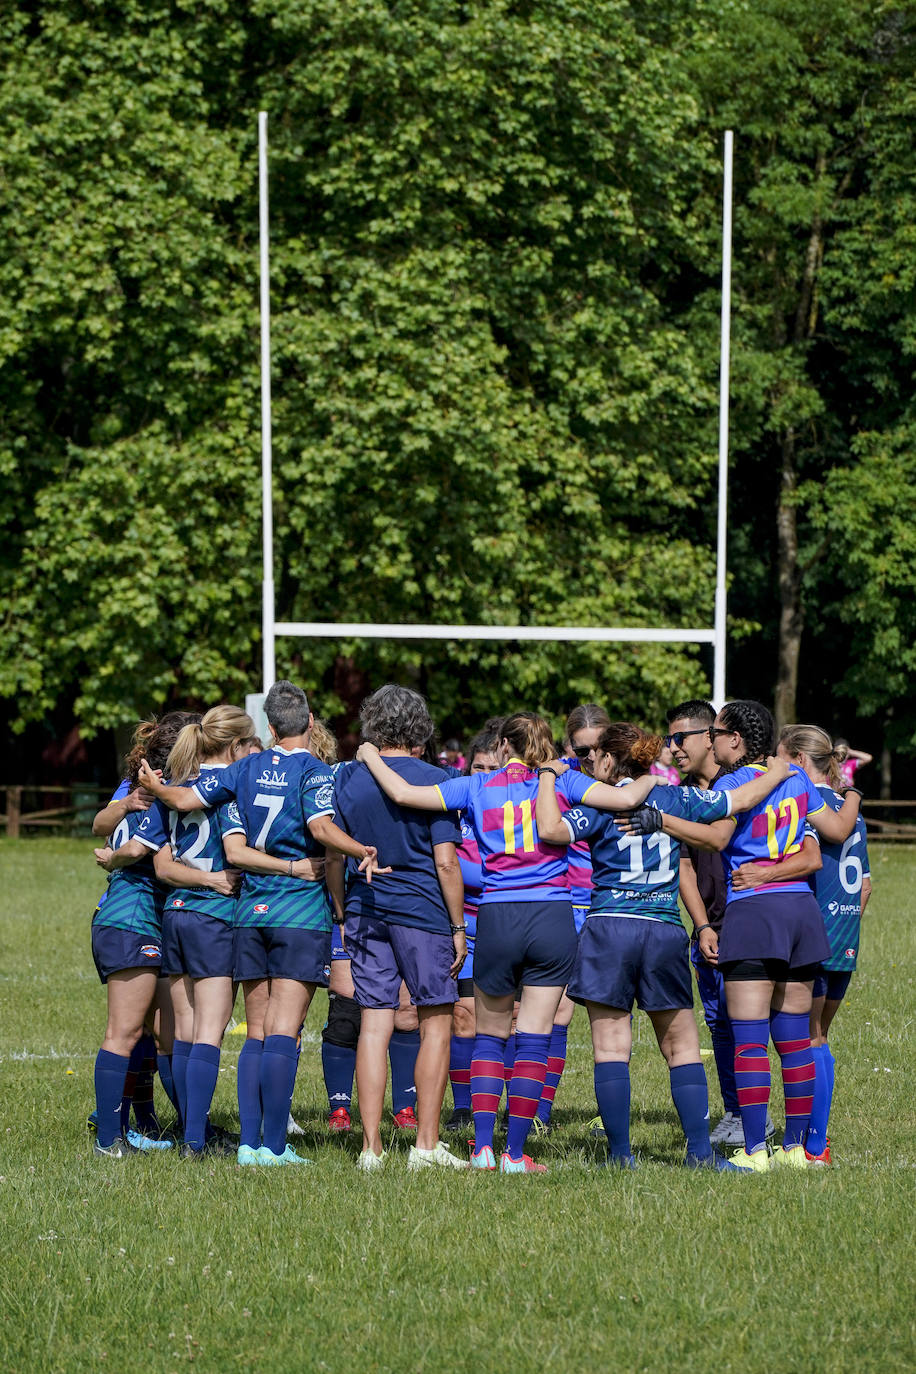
column 272, row 628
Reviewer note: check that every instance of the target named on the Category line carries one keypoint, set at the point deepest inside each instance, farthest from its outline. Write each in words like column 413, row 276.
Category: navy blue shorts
column 282, row 952
column 832, row 983
column 196, row 944
column 626, row 959
column 769, row 925
column 383, row 954
column 524, row 944
column 115, row 950
column 467, row 968
column 711, row 987
column 580, row 916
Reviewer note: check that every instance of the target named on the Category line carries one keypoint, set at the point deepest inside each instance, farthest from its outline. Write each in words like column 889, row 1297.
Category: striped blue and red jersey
column 500, row 807
column 771, row 830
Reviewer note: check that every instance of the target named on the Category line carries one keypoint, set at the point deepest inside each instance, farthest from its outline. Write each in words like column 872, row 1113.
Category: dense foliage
column 495, row 294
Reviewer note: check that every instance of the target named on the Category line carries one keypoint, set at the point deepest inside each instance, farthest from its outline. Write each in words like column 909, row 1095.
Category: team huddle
column 458, row 917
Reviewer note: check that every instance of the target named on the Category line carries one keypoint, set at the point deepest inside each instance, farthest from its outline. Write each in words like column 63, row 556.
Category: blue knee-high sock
column 690, row 1095
column 487, row 1080
column 525, row 1088
column 166, row 1078
column 792, row 1037
column 752, row 1076
column 403, row 1048
column 249, row 1091
column 279, row 1061
column 110, row 1073
column 556, row 1063
column 134, row 1065
column 338, row 1063
column 459, row 1072
column 180, row 1051
column 203, row 1071
column 816, row 1140
column 612, row 1093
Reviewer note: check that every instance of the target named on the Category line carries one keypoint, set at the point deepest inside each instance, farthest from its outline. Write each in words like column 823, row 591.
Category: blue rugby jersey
column 771, row 830
column 133, row 899
column 276, row 792
column 410, row 895
column 500, row 806
column 838, row 889
column 579, row 873
column 638, row 875
column 196, row 839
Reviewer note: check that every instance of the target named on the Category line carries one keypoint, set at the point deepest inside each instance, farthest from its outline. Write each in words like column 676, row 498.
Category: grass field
column 155, row 1265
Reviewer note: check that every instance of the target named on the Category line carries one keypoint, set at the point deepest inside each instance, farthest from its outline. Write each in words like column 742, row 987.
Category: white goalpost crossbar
column 271, row 627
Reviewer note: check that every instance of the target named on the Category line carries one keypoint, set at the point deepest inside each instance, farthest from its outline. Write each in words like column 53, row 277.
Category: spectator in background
column 664, row 767
column 450, row 755
column 855, row 758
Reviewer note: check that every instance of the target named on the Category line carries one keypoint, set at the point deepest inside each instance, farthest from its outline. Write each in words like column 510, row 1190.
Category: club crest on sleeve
column 325, row 795
column 235, row 814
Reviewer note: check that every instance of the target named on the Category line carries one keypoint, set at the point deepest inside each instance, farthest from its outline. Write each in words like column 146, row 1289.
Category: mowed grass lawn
column 155, row 1265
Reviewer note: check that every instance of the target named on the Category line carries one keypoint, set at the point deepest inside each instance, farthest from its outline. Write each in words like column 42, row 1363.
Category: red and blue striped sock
column 459, row 1072
column 203, row 1071
column 556, row 1063
column 752, row 1078
column 791, row 1032
column 690, row 1095
column 612, row 1093
column 525, row 1088
column 487, row 1080
column 279, row 1061
column 249, row 1090
column 403, row 1048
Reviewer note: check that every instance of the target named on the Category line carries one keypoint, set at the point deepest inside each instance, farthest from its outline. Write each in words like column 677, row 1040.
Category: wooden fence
column 893, row 821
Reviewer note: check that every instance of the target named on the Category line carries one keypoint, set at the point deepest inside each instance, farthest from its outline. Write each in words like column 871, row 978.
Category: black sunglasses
column 678, row 738
column 582, row 751
column 718, row 730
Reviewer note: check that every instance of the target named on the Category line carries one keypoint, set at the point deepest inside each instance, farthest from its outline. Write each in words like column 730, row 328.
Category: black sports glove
column 645, row 820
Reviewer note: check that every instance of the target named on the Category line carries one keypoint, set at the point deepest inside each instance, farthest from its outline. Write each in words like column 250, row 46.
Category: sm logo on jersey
column 261, row 909
column 271, row 778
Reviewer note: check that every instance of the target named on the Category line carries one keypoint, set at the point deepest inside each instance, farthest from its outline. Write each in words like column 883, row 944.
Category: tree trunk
column 791, row 610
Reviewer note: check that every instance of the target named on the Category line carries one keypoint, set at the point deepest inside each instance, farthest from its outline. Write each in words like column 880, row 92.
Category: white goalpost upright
column 272, row 628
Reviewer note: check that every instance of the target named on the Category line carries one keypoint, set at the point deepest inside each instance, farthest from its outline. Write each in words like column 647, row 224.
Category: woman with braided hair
column 634, row 947
column 773, row 937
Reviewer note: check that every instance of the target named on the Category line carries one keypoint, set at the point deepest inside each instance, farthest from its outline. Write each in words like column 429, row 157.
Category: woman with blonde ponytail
column 634, row 947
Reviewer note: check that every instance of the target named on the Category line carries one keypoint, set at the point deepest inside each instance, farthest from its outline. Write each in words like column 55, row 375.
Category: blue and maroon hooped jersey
column 838, row 889
column 500, row 807
column 772, row 829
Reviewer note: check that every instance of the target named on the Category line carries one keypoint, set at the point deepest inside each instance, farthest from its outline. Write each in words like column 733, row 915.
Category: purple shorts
column 282, row 952
column 769, row 925
column 196, row 944
column 382, row 954
column 115, row 950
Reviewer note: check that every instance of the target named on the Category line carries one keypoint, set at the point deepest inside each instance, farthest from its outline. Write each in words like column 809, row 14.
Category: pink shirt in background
column 671, row 775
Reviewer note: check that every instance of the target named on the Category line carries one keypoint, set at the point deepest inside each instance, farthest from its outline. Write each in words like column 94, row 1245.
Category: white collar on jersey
column 277, row 749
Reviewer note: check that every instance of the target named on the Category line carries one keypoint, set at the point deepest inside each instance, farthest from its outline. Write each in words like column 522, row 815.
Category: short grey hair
column 287, row 709
column 396, row 718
